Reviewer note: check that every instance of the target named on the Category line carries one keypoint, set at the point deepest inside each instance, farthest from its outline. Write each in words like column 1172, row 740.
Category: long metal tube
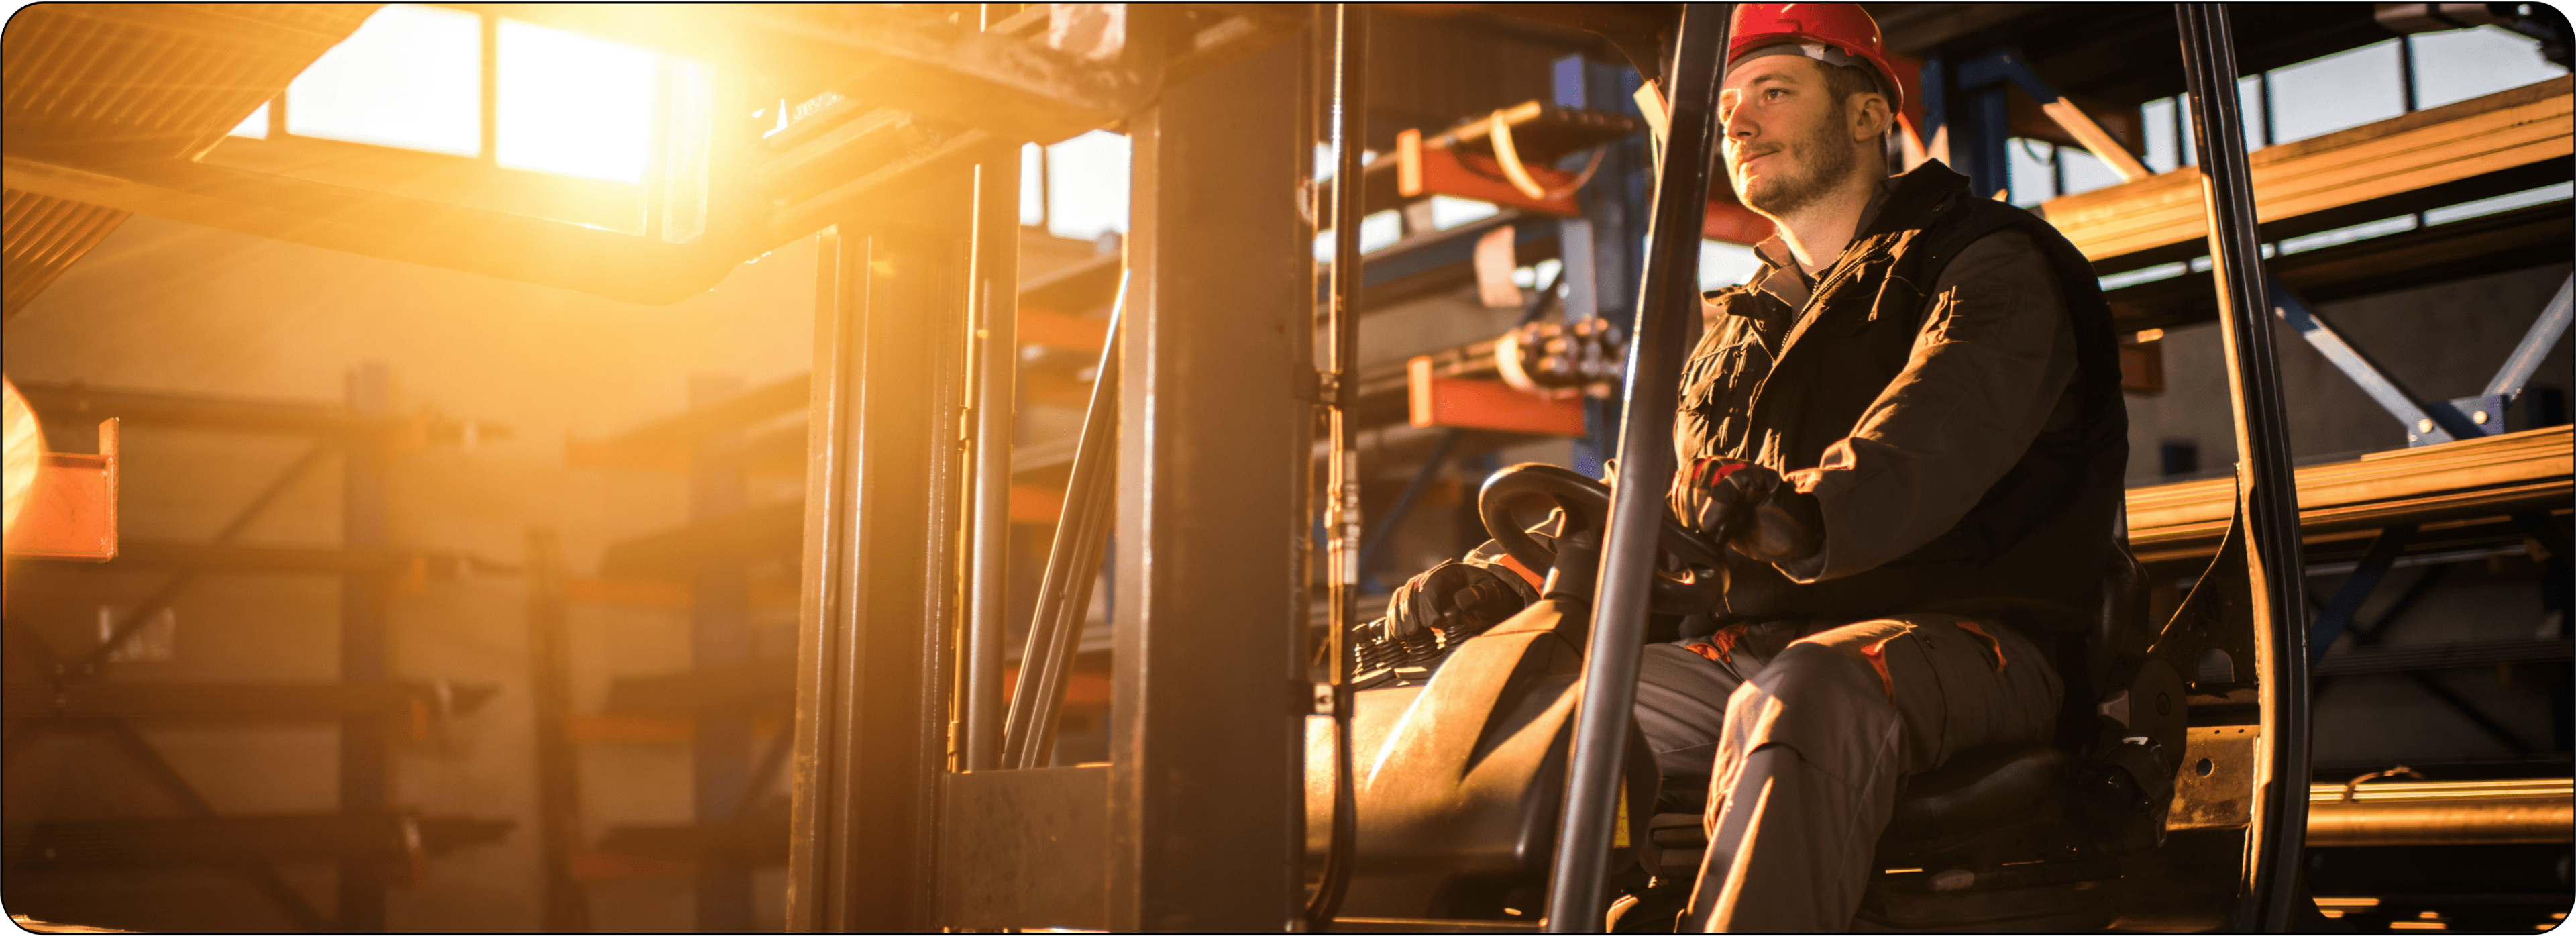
column 2268, row 497
column 996, row 336
column 1340, row 378
column 2484, row 821
column 1667, row 297
column 1073, row 564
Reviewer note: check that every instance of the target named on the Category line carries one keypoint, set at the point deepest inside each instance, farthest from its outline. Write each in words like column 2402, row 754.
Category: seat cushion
column 1978, row 788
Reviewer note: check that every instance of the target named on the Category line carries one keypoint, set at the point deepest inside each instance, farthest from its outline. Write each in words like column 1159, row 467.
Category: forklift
column 1494, row 783
column 1263, row 773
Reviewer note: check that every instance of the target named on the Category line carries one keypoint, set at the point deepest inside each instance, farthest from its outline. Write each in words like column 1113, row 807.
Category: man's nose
column 1738, row 126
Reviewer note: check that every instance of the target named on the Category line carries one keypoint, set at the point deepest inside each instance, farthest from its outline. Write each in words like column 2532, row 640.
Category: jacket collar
column 1899, row 200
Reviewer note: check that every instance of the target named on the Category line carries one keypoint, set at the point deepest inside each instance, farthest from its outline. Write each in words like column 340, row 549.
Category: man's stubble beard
column 1832, row 160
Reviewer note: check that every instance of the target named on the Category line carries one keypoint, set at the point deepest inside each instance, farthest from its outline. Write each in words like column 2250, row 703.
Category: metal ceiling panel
column 142, row 81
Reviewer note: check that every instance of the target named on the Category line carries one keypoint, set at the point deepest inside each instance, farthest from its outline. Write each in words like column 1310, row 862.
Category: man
column 1908, row 431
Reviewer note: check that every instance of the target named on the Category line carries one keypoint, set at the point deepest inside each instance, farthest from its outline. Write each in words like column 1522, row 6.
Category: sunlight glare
column 411, row 76
column 574, row 104
column 254, row 126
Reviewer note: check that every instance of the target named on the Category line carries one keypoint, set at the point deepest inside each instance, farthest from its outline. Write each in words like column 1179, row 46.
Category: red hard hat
column 1844, row 26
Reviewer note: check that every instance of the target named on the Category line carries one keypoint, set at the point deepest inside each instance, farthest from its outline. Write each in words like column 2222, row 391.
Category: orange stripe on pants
column 1877, row 656
column 1989, row 639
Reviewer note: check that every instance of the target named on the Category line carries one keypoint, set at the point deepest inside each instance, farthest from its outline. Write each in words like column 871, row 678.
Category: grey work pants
column 1806, row 731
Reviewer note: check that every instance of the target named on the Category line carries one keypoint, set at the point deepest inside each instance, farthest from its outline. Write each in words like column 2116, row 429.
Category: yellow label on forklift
column 1619, row 833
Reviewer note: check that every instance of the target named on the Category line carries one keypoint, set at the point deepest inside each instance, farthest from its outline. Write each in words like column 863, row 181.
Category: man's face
column 1787, row 142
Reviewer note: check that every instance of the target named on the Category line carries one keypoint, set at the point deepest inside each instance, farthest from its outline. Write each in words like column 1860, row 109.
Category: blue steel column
column 1602, row 250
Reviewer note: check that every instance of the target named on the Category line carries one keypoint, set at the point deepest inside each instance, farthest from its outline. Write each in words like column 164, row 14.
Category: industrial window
column 580, row 106
column 2466, row 63
column 413, row 78
column 410, row 77
column 1085, row 185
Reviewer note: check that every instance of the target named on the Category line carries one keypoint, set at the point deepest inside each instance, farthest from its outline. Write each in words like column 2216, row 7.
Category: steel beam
column 257, row 701
column 2536, row 343
column 883, row 534
column 144, row 611
column 1345, row 105
column 995, row 292
column 1376, row 544
column 381, row 835
column 2426, row 423
column 721, row 413
column 2463, row 655
column 1072, row 569
column 1209, row 693
column 708, row 542
column 2356, row 588
column 2268, row 500
column 76, row 401
column 2472, row 813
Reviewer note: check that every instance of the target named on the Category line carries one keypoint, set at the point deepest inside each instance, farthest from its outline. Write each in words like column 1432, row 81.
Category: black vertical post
column 2268, row 497
column 566, row 908
column 995, row 292
column 884, row 489
column 1346, row 100
column 1667, row 304
column 719, row 634
column 1209, row 692
column 365, row 776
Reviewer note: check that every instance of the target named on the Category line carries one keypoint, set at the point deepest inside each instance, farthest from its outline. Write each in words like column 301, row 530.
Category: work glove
column 1747, row 507
column 1456, row 599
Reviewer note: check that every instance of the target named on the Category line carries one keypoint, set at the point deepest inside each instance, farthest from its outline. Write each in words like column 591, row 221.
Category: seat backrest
column 2122, row 632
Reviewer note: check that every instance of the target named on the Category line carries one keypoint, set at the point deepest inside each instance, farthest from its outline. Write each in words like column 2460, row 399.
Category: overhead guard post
column 1667, row 299
column 1340, row 375
column 2268, row 499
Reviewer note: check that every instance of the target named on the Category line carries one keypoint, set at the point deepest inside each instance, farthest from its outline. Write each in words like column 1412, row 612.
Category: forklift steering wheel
column 1586, row 502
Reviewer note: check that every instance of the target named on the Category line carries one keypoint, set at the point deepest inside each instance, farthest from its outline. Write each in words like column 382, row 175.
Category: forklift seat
column 2020, row 836
column 1977, row 789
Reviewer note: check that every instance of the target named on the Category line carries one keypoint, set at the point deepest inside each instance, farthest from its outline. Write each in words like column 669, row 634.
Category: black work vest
column 2031, row 552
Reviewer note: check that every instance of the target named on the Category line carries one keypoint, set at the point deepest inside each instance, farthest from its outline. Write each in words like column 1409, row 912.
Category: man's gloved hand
column 1458, row 599
column 1748, row 507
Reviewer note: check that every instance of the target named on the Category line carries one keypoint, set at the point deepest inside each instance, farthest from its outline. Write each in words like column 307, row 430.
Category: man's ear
column 1870, row 116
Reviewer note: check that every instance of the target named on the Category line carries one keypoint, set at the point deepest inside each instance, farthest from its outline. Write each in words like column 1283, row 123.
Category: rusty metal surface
column 2215, row 788
column 1038, row 855
column 139, row 81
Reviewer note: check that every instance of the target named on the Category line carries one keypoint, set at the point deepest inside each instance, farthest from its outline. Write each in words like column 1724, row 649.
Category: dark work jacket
column 2031, row 553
